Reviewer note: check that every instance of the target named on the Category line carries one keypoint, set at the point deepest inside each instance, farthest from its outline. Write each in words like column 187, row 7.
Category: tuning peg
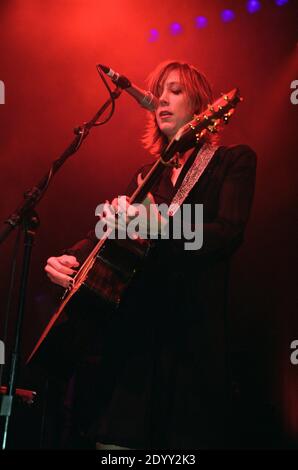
column 201, row 134
column 227, row 116
column 213, row 127
column 225, row 96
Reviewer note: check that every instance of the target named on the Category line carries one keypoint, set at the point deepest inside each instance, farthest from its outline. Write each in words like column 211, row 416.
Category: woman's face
column 174, row 108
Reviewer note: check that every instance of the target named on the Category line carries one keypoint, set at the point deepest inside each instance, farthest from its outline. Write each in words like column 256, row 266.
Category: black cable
column 100, row 123
column 10, row 289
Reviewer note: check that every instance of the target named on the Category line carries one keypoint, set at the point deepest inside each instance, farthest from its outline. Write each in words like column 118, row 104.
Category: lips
column 165, row 114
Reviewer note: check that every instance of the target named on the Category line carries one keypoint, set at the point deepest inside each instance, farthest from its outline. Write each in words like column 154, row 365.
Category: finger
column 116, row 223
column 123, row 203
column 151, row 198
column 115, row 203
column 69, row 260
column 120, row 202
column 108, row 210
column 58, row 278
column 110, row 222
column 132, row 211
column 58, row 266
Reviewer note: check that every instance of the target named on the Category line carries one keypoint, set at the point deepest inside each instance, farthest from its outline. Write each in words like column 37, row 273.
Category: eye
column 176, row 91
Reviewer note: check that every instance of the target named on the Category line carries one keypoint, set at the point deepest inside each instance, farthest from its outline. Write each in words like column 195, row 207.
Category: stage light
column 227, row 15
column 201, row 22
column 176, row 28
column 153, row 35
column 253, row 6
column 280, row 3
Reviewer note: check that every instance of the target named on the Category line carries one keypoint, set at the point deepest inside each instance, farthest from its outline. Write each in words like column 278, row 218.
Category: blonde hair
column 197, row 89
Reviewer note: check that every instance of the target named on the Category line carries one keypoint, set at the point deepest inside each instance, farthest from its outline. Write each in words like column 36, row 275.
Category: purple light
column 280, row 3
column 227, row 15
column 253, row 6
column 176, row 28
column 154, row 35
column 201, row 22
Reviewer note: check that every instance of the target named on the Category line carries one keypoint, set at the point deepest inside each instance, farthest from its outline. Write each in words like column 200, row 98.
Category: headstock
column 210, row 119
column 207, row 121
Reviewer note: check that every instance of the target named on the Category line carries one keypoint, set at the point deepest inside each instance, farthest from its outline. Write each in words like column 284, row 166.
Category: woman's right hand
column 59, row 269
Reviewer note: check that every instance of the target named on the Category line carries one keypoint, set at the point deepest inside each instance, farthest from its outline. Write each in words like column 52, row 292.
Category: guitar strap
column 201, row 161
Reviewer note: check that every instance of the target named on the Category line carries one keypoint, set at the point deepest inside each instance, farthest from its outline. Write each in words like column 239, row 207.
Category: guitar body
column 115, row 266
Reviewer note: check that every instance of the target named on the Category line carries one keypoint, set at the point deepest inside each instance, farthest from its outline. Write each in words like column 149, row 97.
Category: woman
column 164, row 378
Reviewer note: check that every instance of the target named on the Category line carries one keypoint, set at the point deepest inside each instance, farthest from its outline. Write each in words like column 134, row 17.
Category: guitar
column 112, row 264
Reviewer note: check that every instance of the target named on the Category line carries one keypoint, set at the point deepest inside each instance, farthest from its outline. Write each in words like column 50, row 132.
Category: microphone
column 145, row 98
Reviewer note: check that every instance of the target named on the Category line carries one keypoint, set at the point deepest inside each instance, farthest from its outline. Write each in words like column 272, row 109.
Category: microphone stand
column 27, row 218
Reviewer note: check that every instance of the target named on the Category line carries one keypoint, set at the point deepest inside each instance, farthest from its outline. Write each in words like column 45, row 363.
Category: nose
column 164, row 98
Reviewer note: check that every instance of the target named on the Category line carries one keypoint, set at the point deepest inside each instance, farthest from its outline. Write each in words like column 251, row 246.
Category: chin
column 169, row 133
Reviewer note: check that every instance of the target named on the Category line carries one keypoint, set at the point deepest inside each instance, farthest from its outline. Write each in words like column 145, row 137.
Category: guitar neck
column 155, row 172
column 140, row 193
